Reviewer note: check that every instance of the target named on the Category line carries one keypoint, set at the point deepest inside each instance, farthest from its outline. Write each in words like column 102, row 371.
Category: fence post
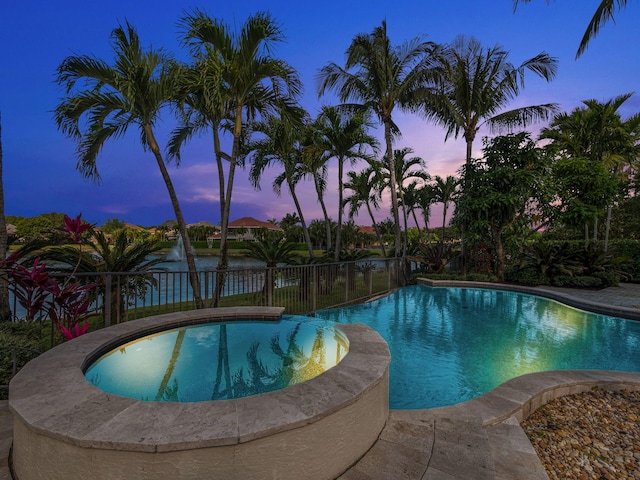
column 269, row 280
column 314, row 292
column 345, row 265
column 107, row 300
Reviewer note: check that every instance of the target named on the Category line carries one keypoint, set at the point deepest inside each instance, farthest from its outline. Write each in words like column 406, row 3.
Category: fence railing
column 301, row 289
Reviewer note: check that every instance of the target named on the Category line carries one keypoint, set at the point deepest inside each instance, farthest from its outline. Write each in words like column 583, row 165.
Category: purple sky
column 36, row 35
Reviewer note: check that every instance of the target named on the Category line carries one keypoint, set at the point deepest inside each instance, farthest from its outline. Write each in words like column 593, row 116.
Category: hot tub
column 65, row 427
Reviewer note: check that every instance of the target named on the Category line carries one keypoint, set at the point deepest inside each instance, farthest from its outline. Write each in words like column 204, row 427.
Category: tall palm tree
column 5, row 308
column 379, row 77
column 315, row 163
column 236, row 81
column 102, row 101
column 472, row 86
column 444, row 191
column 343, row 135
column 281, row 145
column 604, row 12
column 364, row 185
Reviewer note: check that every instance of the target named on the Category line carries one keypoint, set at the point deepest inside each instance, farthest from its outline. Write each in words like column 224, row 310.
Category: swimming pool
column 449, row 345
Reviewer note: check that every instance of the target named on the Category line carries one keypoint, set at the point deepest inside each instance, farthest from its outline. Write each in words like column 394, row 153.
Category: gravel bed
column 591, row 435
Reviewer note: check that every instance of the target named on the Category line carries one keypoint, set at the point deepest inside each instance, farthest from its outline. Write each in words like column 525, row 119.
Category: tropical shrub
column 24, row 343
column 609, row 279
column 594, row 259
column 551, row 259
column 576, row 281
column 525, row 276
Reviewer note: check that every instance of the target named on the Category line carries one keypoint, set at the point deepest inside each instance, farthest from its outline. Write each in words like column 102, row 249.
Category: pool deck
column 475, row 440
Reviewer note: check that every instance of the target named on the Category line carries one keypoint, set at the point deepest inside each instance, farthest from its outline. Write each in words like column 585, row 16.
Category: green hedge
column 576, row 282
column 28, row 336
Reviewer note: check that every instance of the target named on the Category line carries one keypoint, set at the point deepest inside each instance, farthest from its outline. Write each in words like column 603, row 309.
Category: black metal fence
column 301, row 289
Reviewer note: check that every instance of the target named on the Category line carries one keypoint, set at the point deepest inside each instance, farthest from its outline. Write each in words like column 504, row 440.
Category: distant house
column 245, row 228
column 368, row 237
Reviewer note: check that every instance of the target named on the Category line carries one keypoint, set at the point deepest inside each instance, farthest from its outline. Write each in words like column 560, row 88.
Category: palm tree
column 471, row 87
column 235, row 81
column 365, row 190
column 5, row 308
column 444, row 191
column 315, row 163
column 105, row 256
column 272, row 253
column 604, row 12
column 292, row 231
column 426, row 197
column 110, row 99
column 379, row 77
column 597, row 132
column 403, row 172
column 281, row 144
column 343, row 135
column 411, row 202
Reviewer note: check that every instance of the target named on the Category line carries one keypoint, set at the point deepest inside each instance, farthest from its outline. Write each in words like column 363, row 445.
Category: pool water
column 449, row 345
column 220, row 360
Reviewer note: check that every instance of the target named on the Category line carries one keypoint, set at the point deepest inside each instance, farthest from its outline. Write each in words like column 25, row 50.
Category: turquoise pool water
column 449, row 345
column 221, row 360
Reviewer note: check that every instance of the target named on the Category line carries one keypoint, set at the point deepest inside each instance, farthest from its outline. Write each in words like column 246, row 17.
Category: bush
column 525, row 276
column 576, row 282
column 481, row 277
column 609, row 279
column 25, row 335
column 631, row 249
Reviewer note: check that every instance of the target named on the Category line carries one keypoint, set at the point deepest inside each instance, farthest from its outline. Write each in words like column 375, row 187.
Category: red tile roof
column 367, row 230
column 249, row 222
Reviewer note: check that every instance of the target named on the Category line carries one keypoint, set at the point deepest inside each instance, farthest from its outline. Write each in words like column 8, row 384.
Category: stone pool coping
column 480, row 439
column 52, row 398
column 565, row 297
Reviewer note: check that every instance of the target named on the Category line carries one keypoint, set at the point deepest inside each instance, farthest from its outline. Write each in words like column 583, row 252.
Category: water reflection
column 219, row 360
column 452, row 344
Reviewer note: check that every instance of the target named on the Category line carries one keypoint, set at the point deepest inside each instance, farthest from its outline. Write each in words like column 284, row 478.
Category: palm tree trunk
column 404, row 220
column 305, row 230
column 377, row 230
column 444, row 222
column 182, row 226
column 5, row 308
column 469, row 137
column 336, row 255
column 327, row 222
column 225, row 206
column 393, row 183
column 415, row 219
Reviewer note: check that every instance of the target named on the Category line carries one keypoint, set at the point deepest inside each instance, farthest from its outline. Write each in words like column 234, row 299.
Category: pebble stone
column 592, row 435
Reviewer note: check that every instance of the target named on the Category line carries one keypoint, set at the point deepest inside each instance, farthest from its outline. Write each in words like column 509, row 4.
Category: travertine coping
column 567, row 299
column 521, row 396
column 78, row 424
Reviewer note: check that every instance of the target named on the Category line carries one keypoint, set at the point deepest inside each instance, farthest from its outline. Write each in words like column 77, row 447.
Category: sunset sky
column 36, row 35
